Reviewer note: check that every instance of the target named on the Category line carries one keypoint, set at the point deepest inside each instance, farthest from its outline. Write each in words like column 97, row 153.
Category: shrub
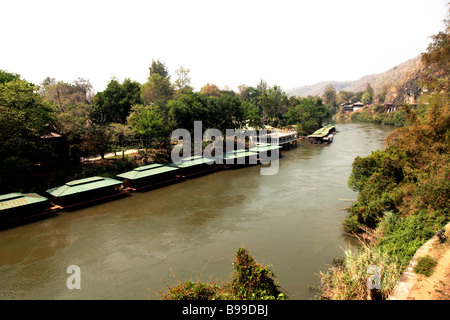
column 425, row 266
column 250, row 281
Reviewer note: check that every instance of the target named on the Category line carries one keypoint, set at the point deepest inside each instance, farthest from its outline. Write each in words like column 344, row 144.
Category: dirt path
column 437, row 286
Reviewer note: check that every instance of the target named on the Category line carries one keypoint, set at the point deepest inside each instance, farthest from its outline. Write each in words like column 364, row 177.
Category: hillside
column 388, row 78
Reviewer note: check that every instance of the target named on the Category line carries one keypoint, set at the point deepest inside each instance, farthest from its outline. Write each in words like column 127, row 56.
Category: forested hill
column 379, row 82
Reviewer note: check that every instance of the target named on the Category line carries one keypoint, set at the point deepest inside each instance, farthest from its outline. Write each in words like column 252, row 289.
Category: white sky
column 228, row 43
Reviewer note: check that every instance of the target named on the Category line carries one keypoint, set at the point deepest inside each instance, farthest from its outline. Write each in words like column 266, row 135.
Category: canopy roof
column 14, row 200
column 146, row 171
column 83, row 185
column 264, row 147
column 191, row 161
column 235, row 154
column 322, row 132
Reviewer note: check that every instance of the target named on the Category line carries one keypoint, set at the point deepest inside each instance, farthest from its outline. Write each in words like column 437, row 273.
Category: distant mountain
column 388, row 78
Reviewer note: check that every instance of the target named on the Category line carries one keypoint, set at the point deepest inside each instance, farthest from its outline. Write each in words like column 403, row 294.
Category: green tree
column 330, row 98
column 159, row 67
column 24, row 117
column 114, row 103
column 147, row 121
column 156, row 90
column 183, row 82
column 308, row 114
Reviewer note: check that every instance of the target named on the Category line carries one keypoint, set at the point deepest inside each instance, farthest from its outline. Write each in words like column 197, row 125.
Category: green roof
column 14, row 200
column 146, row 171
column 322, row 132
column 83, row 185
column 191, row 161
column 264, row 147
column 240, row 153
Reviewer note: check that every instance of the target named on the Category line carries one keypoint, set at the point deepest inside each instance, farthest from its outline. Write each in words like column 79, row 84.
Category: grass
column 425, row 266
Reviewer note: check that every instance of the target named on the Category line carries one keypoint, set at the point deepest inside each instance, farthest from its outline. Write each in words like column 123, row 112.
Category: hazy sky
column 228, row 43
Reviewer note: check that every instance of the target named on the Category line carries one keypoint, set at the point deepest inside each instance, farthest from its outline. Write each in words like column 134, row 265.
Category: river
column 135, row 246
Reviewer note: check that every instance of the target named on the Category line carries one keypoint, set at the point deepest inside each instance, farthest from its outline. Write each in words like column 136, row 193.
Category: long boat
column 194, row 166
column 148, row 176
column 323, row 135
column 266, row 150
column 84, row 191
column 238, row 158
column 19, row 208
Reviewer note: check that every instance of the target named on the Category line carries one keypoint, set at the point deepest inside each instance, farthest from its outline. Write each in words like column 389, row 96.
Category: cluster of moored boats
column 18, row 208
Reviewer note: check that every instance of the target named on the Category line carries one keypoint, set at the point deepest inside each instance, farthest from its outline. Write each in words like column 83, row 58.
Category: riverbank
column 414, row 286
column 129, row 248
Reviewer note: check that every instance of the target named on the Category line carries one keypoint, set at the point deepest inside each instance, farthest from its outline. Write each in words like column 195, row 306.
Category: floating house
column 16, row 208
column 265, row 150
column 86, row 190
column 148, row 176
column 323, row 135
column 238, row 158
column 194, row 166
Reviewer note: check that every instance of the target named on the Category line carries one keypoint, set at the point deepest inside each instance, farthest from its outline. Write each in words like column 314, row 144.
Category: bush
column 250, row 281
column 425, row 266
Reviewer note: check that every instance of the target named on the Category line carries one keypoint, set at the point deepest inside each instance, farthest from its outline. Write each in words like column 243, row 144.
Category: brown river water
column 135, row 246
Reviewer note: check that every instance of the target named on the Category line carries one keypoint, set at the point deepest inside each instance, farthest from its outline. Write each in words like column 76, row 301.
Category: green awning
column 235, row 154
column 191, row 161
column 14, row 200
column 265, row 147
column 146, row 171
column 322, row 132
column 83, row 185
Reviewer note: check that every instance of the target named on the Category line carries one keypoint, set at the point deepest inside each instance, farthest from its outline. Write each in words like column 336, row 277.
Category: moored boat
column 152, row 175
column 194, row 166
column 18, row 208
column 83, row 191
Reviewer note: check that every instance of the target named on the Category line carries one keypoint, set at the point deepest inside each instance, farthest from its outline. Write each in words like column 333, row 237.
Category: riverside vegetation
column 404, row 190
column 46, row 129
column 250, row 281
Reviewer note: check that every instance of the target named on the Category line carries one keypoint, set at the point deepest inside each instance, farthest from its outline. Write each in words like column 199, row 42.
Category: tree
column 438, row 51
column 211, row 90
column 329, row 98
column 147, row 121
column 188, row 108
column 368, row 95
column 274, row 102
column 183, row 82
column 366, row 98
column 114, row 103
column 157, row 90
column 120, row 133
column 309, row 114
column 96, row 139
column 24, row 117
column 159, row 67
column 344, row 97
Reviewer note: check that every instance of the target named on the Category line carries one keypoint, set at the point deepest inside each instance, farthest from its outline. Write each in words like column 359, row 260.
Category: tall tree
column 114, row 103
column 159, row 67
column 183, row 82
column 329, row 98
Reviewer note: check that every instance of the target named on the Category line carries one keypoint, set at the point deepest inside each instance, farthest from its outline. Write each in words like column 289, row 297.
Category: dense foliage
column 404, row 190
column 250, row 281
column 45, row 130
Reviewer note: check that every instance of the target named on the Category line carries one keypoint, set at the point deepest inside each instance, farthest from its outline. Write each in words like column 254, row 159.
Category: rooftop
column 83, row 185
column 191, row 161
column 13, row 200
column 146, row 171
column 322, row 132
